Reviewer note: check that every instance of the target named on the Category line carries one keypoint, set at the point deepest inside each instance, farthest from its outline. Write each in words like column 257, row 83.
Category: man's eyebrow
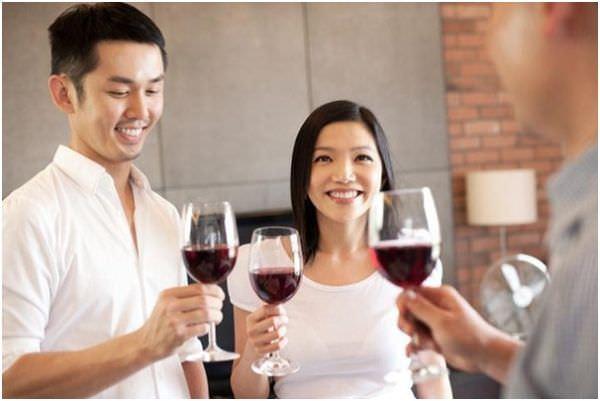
column 129, row 81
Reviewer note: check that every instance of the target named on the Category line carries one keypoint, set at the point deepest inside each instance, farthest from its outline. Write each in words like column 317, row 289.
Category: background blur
column 243, row 77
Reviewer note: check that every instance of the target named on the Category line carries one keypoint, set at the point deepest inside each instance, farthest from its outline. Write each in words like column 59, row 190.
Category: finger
column 212, row 290
column 269, row 337
column 276, row 346
column 423, row 310
column 445, row 297
column 268, row 323
column 182, row 291
column 200, row 316
column 196, row 330
column 266, row 311
column 197, row 302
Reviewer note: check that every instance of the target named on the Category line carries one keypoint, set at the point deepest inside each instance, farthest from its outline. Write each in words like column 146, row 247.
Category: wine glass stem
column 212, row 337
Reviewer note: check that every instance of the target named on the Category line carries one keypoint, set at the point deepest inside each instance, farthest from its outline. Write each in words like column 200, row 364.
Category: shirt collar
column 89, row 174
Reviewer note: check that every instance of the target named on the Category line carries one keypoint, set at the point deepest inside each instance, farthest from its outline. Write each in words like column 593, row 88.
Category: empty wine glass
column 210, row 244
column 275, row 270
column 404, row 240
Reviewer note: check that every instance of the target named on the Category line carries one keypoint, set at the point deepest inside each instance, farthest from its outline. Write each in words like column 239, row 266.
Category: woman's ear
column 62, row 92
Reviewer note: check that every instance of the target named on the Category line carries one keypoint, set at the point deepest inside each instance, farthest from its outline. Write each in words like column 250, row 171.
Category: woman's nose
column 344, row 172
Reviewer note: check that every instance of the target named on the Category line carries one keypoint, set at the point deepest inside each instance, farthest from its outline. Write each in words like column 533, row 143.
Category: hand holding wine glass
column 209, row 252
column 404, row 238
column 275, row 270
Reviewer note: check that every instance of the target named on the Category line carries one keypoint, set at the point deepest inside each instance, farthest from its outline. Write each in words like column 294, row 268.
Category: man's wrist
column 497, row 354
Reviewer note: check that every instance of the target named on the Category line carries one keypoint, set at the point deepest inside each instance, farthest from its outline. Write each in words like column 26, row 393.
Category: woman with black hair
column 340, row 327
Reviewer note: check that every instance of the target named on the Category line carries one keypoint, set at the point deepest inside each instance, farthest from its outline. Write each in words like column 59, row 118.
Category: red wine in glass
column 275, row 271
column 209, row 265
column 403, row 264
column 275, row 285
column 209, row 250
column 404, row 241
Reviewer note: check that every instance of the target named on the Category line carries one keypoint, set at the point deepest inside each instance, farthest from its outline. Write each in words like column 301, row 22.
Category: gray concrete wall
column 242, row 77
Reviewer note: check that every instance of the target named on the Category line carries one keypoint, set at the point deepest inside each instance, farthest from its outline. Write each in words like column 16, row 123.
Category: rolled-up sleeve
column 29, row 278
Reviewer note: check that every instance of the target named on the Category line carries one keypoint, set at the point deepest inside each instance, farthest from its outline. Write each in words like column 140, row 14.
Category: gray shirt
column 560, row 359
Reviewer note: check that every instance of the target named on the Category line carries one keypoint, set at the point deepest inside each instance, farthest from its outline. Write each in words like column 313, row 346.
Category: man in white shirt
column 95, row 301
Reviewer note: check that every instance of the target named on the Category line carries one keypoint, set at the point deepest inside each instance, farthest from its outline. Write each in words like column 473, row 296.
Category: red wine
column 209, row 265
column 275, row 285
column 404, row 264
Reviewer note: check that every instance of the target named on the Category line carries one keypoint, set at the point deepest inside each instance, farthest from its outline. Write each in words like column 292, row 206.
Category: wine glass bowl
column 209, row 251
column 405, row 243
column 275, row 271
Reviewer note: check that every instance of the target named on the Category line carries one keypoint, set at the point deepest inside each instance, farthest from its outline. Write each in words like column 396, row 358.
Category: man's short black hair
column 76, row 32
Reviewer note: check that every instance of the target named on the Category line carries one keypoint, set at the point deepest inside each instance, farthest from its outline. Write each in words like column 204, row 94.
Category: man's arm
column 76, row 374
column 195, row 376
column 179, row 314
column 466, row 340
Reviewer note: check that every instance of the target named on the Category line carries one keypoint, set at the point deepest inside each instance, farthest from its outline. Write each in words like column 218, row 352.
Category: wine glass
column 404, row 240
column 275, row 270
column 210, row 244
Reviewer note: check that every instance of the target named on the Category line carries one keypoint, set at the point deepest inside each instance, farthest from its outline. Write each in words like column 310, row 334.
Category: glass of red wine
column 405, row 244
column 210, row 245
column 275, row 270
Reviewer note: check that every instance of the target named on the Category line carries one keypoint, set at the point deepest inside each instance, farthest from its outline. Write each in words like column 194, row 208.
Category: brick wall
column 484, row 135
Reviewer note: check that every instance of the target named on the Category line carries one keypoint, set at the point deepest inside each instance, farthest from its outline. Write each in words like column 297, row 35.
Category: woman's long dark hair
column 305, row 215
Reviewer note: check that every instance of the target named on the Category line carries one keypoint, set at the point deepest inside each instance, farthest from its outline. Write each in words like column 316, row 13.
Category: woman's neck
column 341, row 239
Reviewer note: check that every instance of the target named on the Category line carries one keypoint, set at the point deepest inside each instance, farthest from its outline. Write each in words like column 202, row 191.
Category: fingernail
column 411, row 294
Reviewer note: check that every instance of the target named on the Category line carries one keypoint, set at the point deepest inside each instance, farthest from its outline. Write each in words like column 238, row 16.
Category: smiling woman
column 340, row 324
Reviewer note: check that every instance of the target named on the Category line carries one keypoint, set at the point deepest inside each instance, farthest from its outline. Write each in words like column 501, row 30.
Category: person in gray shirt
column 546, row 55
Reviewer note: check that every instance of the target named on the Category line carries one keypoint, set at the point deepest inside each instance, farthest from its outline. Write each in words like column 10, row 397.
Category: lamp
column 501, row 198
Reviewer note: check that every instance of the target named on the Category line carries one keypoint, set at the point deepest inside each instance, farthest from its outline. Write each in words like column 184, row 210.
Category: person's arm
column 256, row 334
column 458, row 332
column 195, row 376
column 179, row 314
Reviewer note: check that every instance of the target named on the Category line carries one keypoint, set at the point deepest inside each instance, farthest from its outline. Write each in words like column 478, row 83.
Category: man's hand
column 457, row 331
column 180, row 313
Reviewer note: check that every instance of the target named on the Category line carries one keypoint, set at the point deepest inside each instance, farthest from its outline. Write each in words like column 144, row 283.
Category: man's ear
column 559, row 19
column 62, row 92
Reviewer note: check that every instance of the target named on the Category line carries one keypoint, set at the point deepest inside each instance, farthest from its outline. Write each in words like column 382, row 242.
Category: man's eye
column 118, row 93
column 152, row 92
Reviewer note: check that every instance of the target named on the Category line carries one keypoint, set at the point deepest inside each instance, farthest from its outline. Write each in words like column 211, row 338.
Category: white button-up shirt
column 72, row 277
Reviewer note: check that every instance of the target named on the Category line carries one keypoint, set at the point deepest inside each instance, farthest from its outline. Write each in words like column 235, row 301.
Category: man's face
column 525, row 62
column 122, row 100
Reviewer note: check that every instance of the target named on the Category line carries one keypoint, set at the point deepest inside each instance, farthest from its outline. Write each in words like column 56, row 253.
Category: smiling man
column 95, row 301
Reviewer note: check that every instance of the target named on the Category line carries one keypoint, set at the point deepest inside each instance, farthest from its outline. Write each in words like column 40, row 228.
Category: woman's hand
column 266, row 328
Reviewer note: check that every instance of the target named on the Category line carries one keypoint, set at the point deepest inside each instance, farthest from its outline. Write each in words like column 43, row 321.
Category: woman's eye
column 364, row 158
column 322, row 158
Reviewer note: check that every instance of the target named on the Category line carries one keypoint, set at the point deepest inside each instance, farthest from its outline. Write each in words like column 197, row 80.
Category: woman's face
column 346, row 172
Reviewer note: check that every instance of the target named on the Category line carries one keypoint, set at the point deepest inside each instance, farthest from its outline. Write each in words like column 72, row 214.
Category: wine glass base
column 218, row 355
column 274, row 367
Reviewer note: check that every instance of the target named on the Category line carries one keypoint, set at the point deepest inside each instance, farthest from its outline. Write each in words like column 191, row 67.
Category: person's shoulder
column 40, row 193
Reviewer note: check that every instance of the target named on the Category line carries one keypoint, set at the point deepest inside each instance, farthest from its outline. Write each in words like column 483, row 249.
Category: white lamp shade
column 501, row 197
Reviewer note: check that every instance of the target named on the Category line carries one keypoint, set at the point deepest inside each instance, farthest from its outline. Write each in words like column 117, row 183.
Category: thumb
column 423, row 310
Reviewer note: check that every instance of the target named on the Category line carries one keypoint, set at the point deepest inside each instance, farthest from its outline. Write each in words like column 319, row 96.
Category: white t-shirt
column 72, row 277
column 344, row 338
